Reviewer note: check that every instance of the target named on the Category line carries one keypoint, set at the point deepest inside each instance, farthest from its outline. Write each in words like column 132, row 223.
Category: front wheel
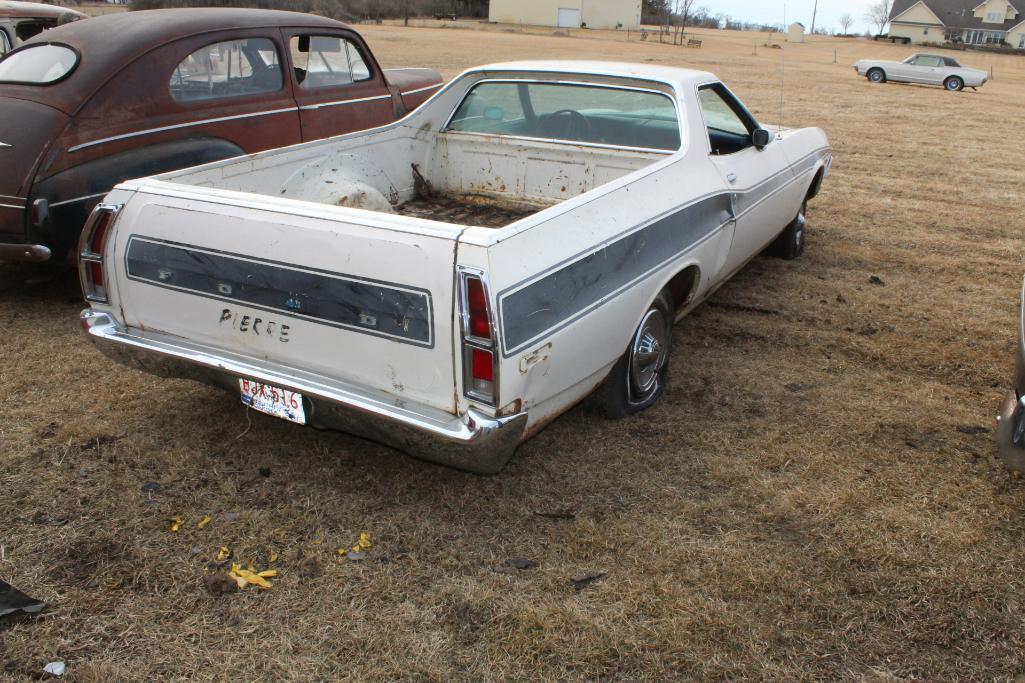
column 953, row 84
column 790, row 243
column 639, row 377
column 876, row 75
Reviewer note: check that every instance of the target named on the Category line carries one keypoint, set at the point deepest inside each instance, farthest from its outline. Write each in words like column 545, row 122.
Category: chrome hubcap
column 648, row 353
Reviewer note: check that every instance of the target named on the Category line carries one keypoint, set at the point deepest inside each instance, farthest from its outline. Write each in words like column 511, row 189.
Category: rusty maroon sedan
column 128, row 95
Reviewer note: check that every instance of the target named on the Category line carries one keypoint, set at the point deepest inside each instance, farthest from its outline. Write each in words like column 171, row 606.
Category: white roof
column 665, row 74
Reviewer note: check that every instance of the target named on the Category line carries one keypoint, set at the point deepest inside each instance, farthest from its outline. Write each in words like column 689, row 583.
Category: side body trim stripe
column 540, row 306
column 566, row 293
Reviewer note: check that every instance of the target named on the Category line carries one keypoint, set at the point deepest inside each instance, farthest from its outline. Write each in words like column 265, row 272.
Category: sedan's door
column 932, row 69
column 899, row 71
column 924, row 69
column 338, row 86
column 759, row 180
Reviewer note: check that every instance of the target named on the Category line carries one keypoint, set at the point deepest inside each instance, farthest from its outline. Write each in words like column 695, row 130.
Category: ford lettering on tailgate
column 367, row 306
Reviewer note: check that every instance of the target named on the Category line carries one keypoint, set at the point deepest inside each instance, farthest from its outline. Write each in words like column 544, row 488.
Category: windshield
column 618, row 116
column 38, row 64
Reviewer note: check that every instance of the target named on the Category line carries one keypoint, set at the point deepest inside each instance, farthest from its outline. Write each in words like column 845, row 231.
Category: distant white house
column 602, row 14
column 975, row 22
column 795, row 32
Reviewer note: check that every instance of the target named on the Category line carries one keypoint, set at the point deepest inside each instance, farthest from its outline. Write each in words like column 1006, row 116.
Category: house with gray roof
column 990, row 22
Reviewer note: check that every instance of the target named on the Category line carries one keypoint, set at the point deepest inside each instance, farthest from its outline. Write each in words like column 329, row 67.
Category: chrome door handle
column 731, row 177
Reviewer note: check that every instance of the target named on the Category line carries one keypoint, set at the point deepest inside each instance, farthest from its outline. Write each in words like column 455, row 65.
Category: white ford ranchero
column 450, row 283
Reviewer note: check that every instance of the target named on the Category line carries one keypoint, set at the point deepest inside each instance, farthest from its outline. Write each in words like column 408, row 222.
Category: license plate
column 267, row 398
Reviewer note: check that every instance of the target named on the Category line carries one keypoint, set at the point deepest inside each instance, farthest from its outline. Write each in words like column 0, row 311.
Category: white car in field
column 450, row 283
column 921, row 68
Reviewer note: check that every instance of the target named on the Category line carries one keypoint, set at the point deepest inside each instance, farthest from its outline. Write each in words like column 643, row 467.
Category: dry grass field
column 816, row 497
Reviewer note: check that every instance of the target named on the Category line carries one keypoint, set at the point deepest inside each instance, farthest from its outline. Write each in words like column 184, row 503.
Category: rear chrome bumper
column 1011, row 432
column 24, row 253
column 473, row 442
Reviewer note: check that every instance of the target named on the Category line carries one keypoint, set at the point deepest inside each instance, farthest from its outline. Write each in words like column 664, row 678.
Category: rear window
column 232, row 68
column 38, row 64
column 621, row 117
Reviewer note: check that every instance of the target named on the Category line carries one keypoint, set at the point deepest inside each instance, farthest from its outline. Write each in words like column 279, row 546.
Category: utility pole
column 813, row 13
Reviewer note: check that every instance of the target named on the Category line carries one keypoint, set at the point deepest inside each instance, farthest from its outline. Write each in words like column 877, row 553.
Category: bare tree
column 846, row 21
column 878, row 14
column 683, row 10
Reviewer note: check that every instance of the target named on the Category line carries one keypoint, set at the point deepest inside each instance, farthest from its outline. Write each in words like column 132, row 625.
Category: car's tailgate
column 348, row 299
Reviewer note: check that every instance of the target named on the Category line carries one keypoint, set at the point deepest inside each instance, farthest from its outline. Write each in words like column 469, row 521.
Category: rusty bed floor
column 467, row 210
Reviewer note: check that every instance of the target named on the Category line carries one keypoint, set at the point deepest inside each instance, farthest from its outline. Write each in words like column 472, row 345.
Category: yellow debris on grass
column 176, row 524
column 247, row 577
column 203, row 522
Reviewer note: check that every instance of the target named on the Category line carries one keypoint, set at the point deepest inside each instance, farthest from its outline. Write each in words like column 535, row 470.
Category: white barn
column 601, row 14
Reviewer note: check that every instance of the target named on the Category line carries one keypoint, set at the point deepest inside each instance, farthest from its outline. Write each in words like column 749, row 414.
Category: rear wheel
column 639, row 377
column 790, row 243
column 953, row 84
column 876, row 75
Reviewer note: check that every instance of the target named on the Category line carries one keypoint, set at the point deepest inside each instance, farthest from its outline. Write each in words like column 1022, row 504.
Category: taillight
column 90, row 252
column 480, row 366
column 477, row 308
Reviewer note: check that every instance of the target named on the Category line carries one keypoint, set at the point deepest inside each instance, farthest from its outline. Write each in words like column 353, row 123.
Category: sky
column 771, row 11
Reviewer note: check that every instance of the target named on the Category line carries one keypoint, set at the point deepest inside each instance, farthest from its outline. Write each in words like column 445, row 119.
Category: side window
column 728, row 123
column 231, row 68
column 5, row 42
column 325, row 61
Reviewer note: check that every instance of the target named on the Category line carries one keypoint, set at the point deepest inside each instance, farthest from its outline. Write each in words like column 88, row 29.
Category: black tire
column 640, row 375
column 954, row 84
column 876, row 75
column 790, row 243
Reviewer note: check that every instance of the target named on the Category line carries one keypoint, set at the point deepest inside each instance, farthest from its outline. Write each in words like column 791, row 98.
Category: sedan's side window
column 5, row 42
column 325, row 61
column 231, row 68
column 728, row 123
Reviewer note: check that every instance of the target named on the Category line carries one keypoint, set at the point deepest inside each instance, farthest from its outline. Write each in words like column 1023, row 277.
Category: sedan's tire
column 640, row 375
column 876, row 75
column 953, row 84
column 790, row 243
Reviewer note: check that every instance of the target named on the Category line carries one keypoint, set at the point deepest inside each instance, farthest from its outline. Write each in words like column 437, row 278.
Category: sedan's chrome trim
column 4, row 144
column 472, row 441
column 78, row 199
column 321, row 105
column 429, row 87
column 11, row 196
column 161, row 129
column 12, row 206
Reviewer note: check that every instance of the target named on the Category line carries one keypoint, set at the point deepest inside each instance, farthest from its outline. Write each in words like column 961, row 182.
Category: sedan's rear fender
column 71, row 194
column 27, row 130
column 415, row 86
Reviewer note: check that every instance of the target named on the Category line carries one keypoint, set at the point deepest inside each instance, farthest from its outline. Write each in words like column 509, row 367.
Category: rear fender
column 73, row 193
column 415, row 86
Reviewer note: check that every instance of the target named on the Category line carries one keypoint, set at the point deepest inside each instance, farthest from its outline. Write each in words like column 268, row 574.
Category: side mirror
column 760, row 138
